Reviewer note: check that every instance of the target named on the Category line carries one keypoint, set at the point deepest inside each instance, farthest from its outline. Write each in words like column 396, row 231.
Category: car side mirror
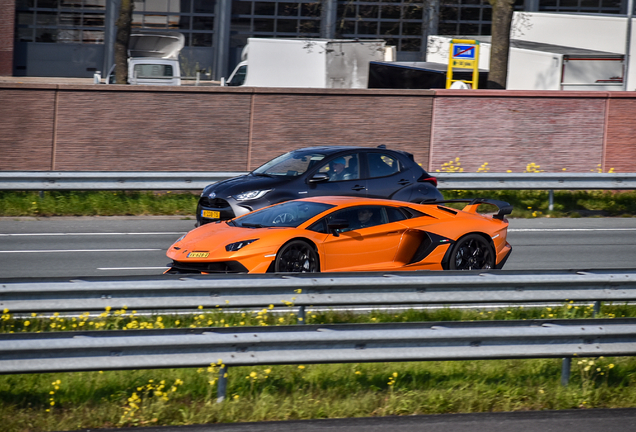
column 337, row 224
column 320, row 177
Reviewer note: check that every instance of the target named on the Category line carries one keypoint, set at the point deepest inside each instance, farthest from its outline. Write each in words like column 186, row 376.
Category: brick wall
column 146, row 130
column 139, row 128
column 620, row 151
column 304, row 118
column 7, row 22
column 26, row 122
column 509, row 131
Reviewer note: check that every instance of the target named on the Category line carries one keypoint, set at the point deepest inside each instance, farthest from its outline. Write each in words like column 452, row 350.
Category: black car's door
column 385, row 175
column 337, row 176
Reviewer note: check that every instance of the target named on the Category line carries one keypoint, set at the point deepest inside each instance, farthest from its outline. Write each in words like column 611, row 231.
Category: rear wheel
column 472, row 252
column 297, row 257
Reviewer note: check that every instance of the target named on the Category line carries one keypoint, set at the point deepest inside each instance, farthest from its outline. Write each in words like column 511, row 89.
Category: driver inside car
column 338, row 170
column 362, row 218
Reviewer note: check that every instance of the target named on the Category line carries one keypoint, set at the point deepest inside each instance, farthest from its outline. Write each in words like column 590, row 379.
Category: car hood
column 215, row 236
column 245, row 183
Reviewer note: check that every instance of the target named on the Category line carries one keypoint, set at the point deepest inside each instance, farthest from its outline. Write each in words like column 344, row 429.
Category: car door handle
column 404, row 182
column 358, row 188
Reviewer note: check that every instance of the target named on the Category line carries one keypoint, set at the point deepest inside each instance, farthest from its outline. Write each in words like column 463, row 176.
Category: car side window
column 394, row 214
column 342, row 168
column 360, row 217
column 319, row 227
column 382, row 165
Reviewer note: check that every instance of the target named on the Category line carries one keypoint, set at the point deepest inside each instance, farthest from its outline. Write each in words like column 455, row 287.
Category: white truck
column 313, row 63
column 153, row 59
column 555, row 52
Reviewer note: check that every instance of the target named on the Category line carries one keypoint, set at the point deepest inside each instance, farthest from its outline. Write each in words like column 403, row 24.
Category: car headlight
column 233, row 247
column 251, row 195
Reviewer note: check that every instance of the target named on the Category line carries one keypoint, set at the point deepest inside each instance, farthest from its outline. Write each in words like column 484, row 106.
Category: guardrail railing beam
column 321, row 289
column 163, row 180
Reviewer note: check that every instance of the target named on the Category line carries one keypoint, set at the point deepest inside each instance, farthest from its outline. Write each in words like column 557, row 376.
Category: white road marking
column 79, row 250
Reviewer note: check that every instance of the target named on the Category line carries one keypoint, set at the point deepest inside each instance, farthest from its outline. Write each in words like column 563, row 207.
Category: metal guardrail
column 325, row 344
column 536, row 181
column 129, row 180
column 109, row 180
column 334, row 289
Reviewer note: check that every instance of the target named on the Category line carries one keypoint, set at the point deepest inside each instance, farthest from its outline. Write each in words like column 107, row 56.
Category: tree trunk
column 500, row 46
column 124, row 22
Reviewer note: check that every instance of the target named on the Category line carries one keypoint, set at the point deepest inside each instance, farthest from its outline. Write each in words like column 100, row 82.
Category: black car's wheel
column 472, row 252
column 297, row 257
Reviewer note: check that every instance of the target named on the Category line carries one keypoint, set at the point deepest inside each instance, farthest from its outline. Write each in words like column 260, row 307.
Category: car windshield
column 290, row 164
column 289, row 214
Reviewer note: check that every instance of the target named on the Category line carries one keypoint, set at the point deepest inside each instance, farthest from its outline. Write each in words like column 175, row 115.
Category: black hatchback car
column 319, row 171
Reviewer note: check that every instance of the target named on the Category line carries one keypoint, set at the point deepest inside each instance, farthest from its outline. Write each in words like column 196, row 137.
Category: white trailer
column 607, row 33
column 544, row 66
column 313, row 63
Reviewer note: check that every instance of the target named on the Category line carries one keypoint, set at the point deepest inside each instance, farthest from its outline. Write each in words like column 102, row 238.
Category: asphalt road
column 615, row 420
column 127, row 246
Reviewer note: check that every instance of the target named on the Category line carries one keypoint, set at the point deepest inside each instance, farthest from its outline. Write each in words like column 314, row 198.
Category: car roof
column 336, row 149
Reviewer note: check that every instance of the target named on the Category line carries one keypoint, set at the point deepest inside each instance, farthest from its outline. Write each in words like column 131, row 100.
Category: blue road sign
column 466, row 52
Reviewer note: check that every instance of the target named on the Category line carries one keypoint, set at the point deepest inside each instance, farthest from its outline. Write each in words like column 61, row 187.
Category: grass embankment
column 66, row 401
column 527, row 204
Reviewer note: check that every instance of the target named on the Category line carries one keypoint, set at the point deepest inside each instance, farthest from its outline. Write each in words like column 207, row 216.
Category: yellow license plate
column 198, row 254
column 210, row 214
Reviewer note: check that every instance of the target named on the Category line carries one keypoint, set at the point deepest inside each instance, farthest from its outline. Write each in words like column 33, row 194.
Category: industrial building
column 75, row 38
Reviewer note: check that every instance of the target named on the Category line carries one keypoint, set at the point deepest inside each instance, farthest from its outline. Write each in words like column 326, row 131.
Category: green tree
column 124, row 22
column 500, row 45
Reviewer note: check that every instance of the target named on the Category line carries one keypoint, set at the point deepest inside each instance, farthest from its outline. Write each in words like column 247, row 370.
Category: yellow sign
column 463, row 54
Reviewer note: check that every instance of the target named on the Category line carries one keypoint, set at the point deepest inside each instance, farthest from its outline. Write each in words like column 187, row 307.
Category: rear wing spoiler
column 503, row 207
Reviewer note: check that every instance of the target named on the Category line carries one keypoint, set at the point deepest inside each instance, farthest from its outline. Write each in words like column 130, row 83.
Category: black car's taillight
column 428, row 178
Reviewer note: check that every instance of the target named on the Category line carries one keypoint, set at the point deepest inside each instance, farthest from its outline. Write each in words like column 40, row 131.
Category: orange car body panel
column 387, row 247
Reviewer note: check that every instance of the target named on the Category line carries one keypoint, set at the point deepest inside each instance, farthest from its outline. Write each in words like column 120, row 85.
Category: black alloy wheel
column 297, row 257
column 472, row 252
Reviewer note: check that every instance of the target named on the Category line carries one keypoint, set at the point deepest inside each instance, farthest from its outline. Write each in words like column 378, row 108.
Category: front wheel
column 472, row 252
column 297, row 257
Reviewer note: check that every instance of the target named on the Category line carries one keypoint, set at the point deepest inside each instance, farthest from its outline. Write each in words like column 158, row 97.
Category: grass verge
column 67, row 401
column 527, row 204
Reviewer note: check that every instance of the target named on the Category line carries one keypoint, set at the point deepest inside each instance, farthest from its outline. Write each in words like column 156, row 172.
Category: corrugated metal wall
column 125, row 128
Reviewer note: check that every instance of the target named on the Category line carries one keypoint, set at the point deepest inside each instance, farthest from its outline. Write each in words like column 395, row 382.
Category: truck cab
column 237, row 78
column 153, row 59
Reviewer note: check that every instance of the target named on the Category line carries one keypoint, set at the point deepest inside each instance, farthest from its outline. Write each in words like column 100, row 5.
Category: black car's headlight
column 233, row 247
column 251, row 195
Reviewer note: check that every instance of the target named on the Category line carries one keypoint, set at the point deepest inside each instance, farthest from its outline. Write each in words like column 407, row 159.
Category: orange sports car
column 335, row 234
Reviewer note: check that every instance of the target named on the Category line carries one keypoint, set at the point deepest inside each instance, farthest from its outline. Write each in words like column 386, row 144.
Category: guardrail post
column 301, row 315
column 565, row 371
column 551, row 200
column 221, row 388
column 597, row 308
